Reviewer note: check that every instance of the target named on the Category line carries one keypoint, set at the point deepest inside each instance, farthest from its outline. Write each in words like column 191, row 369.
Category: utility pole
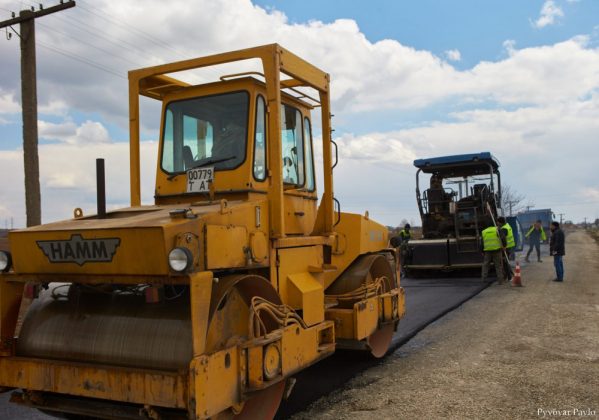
column 561, row 217
column 26, row 20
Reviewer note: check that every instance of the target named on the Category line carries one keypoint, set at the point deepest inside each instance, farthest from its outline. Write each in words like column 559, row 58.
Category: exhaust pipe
column 101, row 188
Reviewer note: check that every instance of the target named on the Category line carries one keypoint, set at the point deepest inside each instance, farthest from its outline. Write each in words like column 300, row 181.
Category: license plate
column 199, row 179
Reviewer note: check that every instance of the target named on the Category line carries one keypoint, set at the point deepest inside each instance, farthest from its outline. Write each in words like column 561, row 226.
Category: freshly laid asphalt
column 427, row 300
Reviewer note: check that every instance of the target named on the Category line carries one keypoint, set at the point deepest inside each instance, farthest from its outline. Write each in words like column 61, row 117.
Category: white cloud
column 8, row 105
column 523, row 107
column 548, row 15
column 453, row 55
column 367, row 76
column 55, row 107
column 69, row 132
column 68, row 179
column 590, row 193
column 544, row 152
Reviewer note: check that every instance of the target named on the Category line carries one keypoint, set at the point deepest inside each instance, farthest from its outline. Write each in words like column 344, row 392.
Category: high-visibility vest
column 509, row 236
column 543, row 236
column 405, row 235
column 491, row 240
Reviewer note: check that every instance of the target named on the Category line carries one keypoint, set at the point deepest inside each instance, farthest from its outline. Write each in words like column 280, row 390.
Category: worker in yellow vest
column 493, row 244
column 401, row 241
column 510, row 245
column 535, row 235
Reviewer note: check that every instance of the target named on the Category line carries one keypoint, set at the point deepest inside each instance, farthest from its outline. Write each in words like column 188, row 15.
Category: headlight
column 180, row 259
column 5, row 261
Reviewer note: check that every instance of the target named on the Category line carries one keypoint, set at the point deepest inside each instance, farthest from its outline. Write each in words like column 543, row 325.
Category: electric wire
column 81, row 59
column 85, row 27
column 90, row 9
column 111, row 53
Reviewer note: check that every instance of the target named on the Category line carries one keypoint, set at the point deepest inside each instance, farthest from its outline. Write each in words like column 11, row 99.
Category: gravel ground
column 516, row 353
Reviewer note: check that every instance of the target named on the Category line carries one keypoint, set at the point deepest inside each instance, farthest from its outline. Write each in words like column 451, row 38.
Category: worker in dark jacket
column 557, row 248
column 493, row 244
column 535, row 235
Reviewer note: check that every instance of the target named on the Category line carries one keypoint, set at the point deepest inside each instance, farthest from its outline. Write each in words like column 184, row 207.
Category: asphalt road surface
column 508, row 353
column 426, row 301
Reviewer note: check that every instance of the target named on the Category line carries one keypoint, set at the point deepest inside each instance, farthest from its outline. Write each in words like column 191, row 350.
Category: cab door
column 298, row 171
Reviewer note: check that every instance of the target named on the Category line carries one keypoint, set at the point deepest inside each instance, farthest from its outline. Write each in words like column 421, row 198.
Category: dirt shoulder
column 507, row 353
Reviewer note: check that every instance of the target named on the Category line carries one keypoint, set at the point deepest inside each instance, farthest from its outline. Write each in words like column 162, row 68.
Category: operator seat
column 187, row 157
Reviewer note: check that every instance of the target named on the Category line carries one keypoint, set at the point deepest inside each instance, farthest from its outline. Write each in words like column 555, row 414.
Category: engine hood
column 129, row 241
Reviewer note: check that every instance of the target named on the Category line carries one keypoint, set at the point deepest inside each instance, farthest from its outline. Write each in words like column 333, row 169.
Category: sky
column 410, row 79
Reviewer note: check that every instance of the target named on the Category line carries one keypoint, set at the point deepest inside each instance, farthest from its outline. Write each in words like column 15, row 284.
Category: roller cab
column 208, row 302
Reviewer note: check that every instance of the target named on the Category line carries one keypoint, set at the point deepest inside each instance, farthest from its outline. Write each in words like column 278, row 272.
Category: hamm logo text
column 79, row 250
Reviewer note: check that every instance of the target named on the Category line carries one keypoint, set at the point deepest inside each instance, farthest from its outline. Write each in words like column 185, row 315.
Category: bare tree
column 512, row 201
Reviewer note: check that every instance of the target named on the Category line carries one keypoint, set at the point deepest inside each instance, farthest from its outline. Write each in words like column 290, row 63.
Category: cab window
column 210, row 130
column 309, row 156
column 292, row 142
column 260, row 141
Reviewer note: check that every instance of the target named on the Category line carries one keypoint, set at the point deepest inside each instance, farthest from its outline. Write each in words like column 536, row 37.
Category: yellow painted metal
column 229, row 377
column 298, row 260
column 259, row 247
column 275, row 171
column 200, row 290
column 366, row 317
column 10, row 302
column 225, row 246
column 298, row 349
column 327, row 197
column 132, row 256
column 159, row 388
column 344, row 322
column 255, row 364
column 216, row 382
column 272, row 361
column 134, row 159
column 306, row 292
column 360, row 236
column 243, row 224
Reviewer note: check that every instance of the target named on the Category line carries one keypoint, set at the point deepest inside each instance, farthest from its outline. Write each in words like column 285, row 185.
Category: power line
column 111, row 53
column 121, row 43
column 129, row 28
column 81, row 60
column 84, row 27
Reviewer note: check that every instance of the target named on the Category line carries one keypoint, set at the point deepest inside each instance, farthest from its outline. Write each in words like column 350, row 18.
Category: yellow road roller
column 207, row 303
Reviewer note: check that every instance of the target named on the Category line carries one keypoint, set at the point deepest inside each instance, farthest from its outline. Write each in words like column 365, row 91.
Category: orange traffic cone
column 517, row 279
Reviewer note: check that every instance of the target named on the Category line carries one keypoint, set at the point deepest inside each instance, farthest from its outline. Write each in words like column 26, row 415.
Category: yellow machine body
column 274, row 280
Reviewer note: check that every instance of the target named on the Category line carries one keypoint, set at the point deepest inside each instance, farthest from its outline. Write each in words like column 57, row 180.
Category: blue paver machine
column 463, row 192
